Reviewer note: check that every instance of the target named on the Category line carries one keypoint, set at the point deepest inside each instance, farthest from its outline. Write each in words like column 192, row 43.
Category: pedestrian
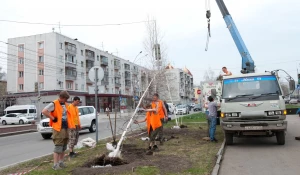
column 56, row 111
column 154, row 125
column 107, row 110
column 227, row 73
column 212, row 117
column 161, row 112
column 168, row 110
column 74, row 123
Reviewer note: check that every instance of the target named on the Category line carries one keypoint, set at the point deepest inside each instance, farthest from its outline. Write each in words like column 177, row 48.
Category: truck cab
column 253, row 105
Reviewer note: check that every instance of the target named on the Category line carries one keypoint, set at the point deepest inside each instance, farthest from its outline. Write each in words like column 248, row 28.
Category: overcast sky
column 270, row 29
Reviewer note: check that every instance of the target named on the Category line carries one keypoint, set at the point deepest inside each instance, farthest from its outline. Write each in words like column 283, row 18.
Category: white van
column 86, row 116
column 29, row 111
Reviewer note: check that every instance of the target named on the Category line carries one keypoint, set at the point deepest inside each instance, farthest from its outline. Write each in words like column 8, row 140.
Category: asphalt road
column 18, row 148
column 262, row 156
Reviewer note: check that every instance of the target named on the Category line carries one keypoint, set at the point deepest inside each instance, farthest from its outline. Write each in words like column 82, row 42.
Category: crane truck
column 252, row 104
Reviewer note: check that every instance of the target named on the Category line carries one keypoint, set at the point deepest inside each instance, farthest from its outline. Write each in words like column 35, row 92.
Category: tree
column 2, row 74
column 209, row 75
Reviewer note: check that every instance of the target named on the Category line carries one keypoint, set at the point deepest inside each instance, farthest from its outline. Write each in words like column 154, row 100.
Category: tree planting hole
column 105, row 160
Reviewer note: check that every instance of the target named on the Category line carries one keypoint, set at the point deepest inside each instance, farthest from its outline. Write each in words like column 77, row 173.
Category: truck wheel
column 46, row 136
column 280, row 136
column 93, row 126
column 229, row 138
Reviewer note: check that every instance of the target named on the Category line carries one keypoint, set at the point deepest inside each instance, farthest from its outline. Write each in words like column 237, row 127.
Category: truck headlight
column 271, row 113
column 278, row 112
column 234, row 114
column 227, row 115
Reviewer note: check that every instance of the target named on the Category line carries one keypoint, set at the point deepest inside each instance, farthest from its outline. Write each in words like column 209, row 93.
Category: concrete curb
column 219, row 159
column 17, row 132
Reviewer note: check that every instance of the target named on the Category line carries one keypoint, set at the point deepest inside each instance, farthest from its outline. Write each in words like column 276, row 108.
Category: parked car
column 293, row 101
column 193, row 105
column 182, row 109
column 14, row 118
column 86, row 116
column 172, row 107
column 198, row 107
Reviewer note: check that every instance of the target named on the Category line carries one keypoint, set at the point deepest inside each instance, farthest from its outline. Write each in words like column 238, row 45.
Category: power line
column 73, row 25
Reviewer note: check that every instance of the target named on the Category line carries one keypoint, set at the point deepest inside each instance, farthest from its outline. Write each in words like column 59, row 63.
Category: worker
column 74, row 123
column 212, row 117
column 56, row 111
column 227, row 73
column 161, row 112
column 154, row 125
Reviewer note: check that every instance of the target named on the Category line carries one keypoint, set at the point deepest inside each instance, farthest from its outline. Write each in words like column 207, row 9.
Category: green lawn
column 196, row 117
column 292, row 106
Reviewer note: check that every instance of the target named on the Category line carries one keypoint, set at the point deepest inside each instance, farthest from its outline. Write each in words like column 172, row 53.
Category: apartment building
column 52, row 62
column 181, row 85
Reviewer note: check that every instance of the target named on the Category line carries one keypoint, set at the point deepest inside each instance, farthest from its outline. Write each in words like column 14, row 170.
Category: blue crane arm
column 247, row 61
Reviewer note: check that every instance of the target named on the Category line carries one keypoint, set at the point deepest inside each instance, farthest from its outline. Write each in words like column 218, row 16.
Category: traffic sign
column 199, row 91
column 100, row 74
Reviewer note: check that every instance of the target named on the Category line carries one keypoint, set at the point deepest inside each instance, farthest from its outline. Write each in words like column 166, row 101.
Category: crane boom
column 247, row 61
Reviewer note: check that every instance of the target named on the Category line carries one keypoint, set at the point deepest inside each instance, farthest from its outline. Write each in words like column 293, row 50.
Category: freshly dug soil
column 134, row 156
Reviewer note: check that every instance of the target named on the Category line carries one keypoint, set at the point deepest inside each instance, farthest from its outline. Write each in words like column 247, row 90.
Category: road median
column 15, row 130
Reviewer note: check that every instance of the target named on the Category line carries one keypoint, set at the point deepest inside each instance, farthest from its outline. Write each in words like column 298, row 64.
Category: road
column 262, row 156
column 18, row 148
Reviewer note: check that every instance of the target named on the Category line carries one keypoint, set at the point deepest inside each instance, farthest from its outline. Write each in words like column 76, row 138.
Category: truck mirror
column 213, row 93
column 292, row 85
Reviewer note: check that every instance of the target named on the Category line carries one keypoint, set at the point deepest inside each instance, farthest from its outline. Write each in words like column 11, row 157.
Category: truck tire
column 229, row 138
column 280, row 136
column 93, row 126
column 46, row 136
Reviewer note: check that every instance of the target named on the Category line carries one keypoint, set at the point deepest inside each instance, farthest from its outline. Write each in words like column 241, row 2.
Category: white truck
column 252, row 105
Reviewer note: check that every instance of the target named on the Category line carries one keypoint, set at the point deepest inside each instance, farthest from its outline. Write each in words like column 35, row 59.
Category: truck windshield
column 256, row 87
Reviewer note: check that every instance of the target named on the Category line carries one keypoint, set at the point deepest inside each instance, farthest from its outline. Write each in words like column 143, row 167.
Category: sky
column 269, row 28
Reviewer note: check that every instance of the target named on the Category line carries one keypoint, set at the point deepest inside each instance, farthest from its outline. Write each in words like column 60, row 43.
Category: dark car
column 197, row 107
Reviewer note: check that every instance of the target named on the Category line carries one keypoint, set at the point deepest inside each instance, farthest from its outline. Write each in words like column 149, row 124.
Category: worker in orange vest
column 161, row 112
column 56, row 111
column 74, row 123
column 153, row 126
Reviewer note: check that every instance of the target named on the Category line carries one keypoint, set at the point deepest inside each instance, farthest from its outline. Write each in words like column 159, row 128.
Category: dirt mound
column 104, row 160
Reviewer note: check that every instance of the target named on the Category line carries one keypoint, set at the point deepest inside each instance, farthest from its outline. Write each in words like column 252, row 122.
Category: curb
column 219, row 159
column 17, row 132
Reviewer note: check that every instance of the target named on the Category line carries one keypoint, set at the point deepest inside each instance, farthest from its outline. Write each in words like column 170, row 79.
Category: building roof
column 169, row 66
column 187, row 71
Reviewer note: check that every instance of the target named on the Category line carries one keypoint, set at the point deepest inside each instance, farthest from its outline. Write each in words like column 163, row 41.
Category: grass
column 195, row 156
column 291, row 106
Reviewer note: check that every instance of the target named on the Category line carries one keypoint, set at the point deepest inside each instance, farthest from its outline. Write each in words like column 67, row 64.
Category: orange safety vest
column 160, row 111
column 152, row 121
column 58, row 111
column 73, row 115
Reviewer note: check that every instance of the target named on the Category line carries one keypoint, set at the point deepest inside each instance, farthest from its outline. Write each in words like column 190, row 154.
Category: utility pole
column 96, row 101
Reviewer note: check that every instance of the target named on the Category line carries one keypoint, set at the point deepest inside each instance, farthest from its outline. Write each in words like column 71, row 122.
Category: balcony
column 127, row 67
column 104, row 61
column 70, row 49
column 117, row 75
column 88, row 80
column 70, row 77
column 70, row 64
column 104, row 82
column 117, row 64
column 117, row 84
column 89, row 55
column 135, row 71
column 127, row 84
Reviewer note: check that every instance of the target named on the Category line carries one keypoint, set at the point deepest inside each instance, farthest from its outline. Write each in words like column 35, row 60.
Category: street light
column 137, row 56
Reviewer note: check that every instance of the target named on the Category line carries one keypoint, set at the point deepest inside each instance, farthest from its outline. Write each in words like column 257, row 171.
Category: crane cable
column 208, row 15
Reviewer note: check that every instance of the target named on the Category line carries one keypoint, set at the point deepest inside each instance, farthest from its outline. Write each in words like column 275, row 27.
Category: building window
column 69, row 85
column 21, row 60
column 61, row 58
column 21, row 87
column 41, row 72
column 21, row 48
column 82, row 87
column 70, row 58
column 21, row 74
column 61, row 85
column 61, row 45
column 61, row 71
column 41, row 59
column 97, row 57
column 41, row 45
column 41, row 85
column 82, row 64
column 81, row 52
column 76, row 86
column 82, row 75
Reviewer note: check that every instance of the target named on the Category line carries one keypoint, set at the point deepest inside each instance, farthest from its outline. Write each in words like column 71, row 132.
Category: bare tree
column 2, row 74
column 209, row 75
